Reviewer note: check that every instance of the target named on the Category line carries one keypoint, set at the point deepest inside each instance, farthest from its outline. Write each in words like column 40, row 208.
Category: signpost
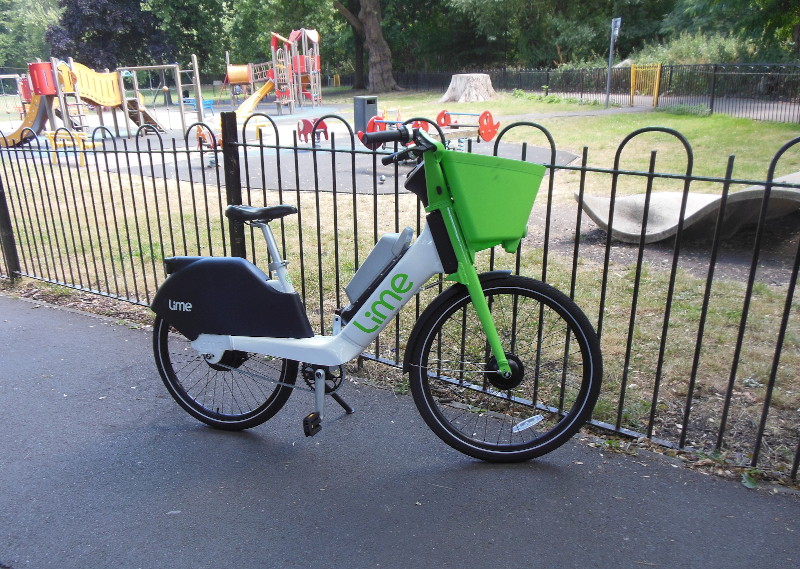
column 616, row 23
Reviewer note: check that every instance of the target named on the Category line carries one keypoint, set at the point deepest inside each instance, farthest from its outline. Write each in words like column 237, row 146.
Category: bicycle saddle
column 263, row 214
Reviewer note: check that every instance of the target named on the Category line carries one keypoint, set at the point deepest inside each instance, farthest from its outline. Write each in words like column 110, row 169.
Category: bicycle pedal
column 312, row 424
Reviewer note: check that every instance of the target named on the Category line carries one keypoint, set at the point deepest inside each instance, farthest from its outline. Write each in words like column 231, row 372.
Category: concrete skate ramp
column 743, row 208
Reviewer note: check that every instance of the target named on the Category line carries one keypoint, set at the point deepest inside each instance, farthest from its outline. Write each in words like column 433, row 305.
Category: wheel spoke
column 553, row 354
column 241, row 391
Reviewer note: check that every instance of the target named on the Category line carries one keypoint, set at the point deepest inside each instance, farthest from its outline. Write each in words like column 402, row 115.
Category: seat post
column 278, row 264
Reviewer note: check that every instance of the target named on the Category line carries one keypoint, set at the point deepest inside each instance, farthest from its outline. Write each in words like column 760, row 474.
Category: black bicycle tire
column 254, row 415
column 431, row 325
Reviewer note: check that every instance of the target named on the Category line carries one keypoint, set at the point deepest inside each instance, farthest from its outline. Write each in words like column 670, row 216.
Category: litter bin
column 365, row 108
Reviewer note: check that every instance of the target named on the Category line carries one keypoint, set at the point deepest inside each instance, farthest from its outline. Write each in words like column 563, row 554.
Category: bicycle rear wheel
column 241, row 391
column 555, row 358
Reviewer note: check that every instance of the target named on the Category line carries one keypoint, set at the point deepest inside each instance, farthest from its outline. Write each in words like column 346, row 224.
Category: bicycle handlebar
column 402, row 134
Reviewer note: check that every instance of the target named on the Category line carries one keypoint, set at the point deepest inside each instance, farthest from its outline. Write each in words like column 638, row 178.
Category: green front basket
column 492, row 197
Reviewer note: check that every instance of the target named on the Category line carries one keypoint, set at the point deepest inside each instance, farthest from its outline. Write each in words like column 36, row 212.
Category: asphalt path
column 100, row 468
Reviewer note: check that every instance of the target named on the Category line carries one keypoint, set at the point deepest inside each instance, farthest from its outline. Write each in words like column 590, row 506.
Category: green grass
column 712, row 138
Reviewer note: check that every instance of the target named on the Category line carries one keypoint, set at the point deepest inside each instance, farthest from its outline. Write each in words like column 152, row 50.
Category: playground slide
column 250, row 104
column 35, row 119
column 99, row 88
column 134, row 107
column 103, row 89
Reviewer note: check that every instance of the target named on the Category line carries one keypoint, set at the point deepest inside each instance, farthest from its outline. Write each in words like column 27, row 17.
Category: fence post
column 233, row 179
column 7, row 242
column 713, row 87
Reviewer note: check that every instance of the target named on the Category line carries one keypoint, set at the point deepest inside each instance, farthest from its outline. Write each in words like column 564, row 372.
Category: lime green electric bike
column 502, row 367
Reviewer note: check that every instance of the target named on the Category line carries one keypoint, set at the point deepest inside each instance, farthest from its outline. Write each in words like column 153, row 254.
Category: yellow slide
column 249, row 104
column 35, row 119
column 103, row 89
column 99, row 88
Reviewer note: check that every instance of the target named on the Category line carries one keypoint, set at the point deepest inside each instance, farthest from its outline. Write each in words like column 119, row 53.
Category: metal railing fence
column 700, row 335
column 759, row 91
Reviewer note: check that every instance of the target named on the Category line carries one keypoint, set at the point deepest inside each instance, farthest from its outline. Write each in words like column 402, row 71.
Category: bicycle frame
column 404, row 280
column 414, row 269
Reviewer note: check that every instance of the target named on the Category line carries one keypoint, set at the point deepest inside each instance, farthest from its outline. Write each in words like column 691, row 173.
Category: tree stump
column 469, row 87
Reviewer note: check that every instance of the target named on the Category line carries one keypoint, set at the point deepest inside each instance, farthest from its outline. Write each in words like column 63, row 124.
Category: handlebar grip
column 402, row 134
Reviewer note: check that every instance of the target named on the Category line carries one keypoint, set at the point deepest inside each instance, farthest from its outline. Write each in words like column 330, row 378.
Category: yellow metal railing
column 646, row 80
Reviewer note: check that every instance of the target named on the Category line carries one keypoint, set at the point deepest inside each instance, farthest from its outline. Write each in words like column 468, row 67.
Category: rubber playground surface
column 163, row 160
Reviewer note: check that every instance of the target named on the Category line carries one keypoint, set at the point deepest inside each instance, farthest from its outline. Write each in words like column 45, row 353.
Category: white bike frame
column 419, row 263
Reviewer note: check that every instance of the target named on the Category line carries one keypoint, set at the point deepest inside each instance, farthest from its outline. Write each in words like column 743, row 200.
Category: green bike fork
column 468, row 276
column 439, row 198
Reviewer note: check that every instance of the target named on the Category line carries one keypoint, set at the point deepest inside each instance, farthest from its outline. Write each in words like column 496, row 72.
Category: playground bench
column 208, row 104
column 64, row 139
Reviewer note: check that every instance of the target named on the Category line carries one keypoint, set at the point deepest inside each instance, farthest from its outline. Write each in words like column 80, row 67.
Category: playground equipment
column 293, row 74
column 35, row 118
column 248, row 75
column 19, row 105
column 305, row 130
column 37, row 91
column 134, row 106
column 285, row 95
column 381, row 122
column 249, row 105
column 78, row 87
column 67, row 89
column 296, row 64
column 235, row 77
column 487, row 128
column 306, row 66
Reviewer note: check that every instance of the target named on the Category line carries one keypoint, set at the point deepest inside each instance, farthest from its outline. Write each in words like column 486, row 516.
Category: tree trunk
column 469, row 87
column 358, row 42
column 358, row 66
column 368, row 26
column 381, row 78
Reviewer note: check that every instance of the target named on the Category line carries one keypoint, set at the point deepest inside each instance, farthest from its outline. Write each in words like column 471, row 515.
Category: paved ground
column 100, row 468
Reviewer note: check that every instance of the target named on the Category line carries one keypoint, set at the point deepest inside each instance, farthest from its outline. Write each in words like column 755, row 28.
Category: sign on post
column 616, row 24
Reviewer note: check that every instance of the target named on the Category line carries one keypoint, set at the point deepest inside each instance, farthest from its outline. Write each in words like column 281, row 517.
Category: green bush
column 698, row 48
column 551, row 99
column 684, row 109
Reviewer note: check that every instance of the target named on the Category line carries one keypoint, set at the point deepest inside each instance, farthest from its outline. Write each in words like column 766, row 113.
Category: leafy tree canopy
column 773, row 24
column 108, row 33
column 22, row 27
column 194, row 27
column 421, row 34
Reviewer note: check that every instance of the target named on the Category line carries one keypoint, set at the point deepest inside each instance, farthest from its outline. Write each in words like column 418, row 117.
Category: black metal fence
column 758, row 91
column 699, row 332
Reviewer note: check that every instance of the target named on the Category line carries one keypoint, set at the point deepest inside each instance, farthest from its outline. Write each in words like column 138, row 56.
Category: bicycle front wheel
column 241, row 391
column 556, row 366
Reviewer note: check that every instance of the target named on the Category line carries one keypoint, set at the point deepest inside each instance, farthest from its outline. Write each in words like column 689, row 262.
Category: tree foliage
column 108, row 33
column 774, row 25
column 253, row 21
column 420, row 35
column 551, row 32
column 22, row 30
column 194, row 27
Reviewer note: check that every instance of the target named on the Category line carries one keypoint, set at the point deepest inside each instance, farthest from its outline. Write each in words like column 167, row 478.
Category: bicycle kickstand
column 312, row 423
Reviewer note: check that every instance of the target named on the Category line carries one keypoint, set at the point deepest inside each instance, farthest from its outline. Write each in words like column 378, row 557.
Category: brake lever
column 397, row 156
